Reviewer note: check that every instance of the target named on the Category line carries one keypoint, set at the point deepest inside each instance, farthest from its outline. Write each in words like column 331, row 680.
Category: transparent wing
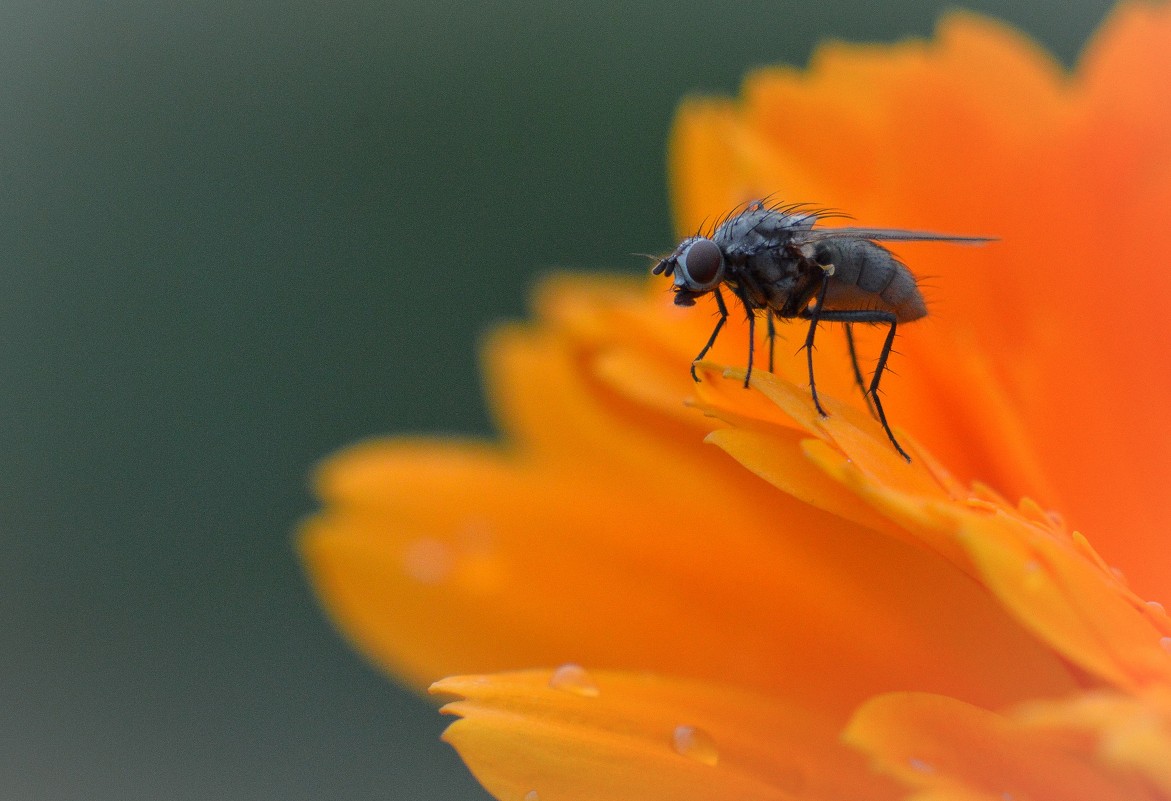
column 886, row 235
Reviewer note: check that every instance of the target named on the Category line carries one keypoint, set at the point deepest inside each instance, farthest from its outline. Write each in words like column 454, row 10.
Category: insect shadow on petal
column 772, row 258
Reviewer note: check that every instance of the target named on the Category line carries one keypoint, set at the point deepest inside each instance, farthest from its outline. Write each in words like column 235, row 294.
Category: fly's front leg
column 715, row 332
column 742, row 293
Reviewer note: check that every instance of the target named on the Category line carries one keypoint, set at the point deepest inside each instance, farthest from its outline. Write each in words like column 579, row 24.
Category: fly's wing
column 885, row 235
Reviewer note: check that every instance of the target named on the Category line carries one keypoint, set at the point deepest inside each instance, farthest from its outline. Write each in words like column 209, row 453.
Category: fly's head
column 697, row 266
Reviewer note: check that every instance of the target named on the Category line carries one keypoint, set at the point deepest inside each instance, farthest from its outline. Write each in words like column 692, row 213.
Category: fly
column 772, row 258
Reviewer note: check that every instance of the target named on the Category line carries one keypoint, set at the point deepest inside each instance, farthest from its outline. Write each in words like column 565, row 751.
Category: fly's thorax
column 775, row 274
column 758, row 228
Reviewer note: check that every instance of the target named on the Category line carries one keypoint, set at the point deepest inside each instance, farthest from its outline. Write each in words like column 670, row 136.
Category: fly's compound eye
column 701, row 266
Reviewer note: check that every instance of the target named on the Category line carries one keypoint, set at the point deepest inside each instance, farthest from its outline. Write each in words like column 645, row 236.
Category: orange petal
column 625, row 736
column 1131, row 735
column 709, row 175
column 840, row 612
column 864, row 120
column 1113, row 474
column 1025, row 345
column 1050, row 581
column 693, row 564
column 955, row 750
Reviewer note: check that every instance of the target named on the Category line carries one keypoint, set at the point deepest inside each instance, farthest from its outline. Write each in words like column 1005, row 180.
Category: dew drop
column 695, row 744
column 1165, row 642
column 1158, row 607
column 1034, row 578
column 428, row 560
column 532, row 795
column 920, row 766
column 573, row 679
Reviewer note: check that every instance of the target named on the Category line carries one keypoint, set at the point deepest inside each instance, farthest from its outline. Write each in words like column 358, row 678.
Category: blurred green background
column 237, row 236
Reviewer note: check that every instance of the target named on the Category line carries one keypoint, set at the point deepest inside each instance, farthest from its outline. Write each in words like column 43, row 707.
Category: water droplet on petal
column 1165, row 642
column 920, row 765
column 532, row 795
column 1158, row 607
column 573, row 679
column 428, row 560
column 1034, row 578
column 695, row 744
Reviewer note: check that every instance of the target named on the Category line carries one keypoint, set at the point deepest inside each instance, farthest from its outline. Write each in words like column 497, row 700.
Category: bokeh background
column 237, row 236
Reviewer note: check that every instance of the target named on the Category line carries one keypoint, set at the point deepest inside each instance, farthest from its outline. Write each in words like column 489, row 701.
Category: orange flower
column 797, row 611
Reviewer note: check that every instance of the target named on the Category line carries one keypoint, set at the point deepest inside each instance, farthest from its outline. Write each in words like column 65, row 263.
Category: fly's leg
column 814, row 316
column 751, row 343
column 861, row 382
column 715, row 332
column 772, row 341
column 742, row 293
column 873, row 316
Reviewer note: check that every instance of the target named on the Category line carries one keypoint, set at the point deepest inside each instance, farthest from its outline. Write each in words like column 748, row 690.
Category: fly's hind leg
column 858, row 379
column 715, row 332
column 873, row 316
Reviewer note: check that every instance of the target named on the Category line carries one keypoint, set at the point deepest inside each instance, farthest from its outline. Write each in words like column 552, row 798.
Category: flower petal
column 1046, row 578
column 955, row 750
column 705, row 146
column 1051, row 581
column 1038, row 371
column 646, row 737
column 597, row 514
column 1129, row 734
column 837, row 610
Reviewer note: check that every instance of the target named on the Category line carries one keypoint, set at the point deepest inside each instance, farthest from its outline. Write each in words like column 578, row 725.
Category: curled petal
column 1032, row 374
column 1129, row 734
column 1049, row 579
column 643, row 737
column 948, row 749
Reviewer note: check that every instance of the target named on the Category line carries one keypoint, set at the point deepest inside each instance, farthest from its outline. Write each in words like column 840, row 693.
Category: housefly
column 773, row 259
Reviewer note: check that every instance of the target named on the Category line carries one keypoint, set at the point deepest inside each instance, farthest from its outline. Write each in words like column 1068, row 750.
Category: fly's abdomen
column 868, row 276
